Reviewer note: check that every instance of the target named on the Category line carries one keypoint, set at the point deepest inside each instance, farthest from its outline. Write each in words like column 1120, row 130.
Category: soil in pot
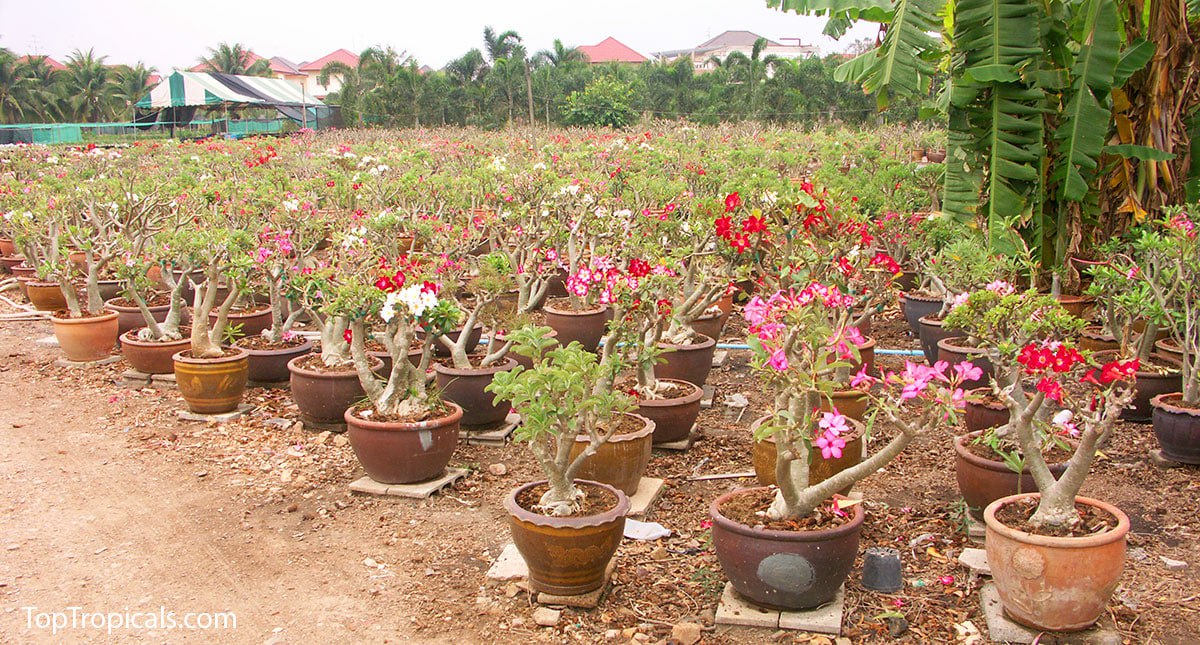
column 691, row 363
column 466, row 388
column 1177, row 428
column 1055, row 583
column 212, row 385
column 567, row 555
column 403, row 451
column 322, row 394
column 87, row 338
column 621, row 461
column 983, row 410
column 984, row 478
column 675, row 413
column 585, row 327
column 786, row 564
column 129, row 315
column 764, row 454
column 268, row 362
column 153, row 357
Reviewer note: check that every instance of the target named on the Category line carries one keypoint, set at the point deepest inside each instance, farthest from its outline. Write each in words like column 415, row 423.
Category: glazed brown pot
column 982, row 414
column 1056, row 584
column 906, row 281
column 1147, row 386
column 212, row 385
column 932, row 332
column 21, row 286
column 819, row 469
column 866, row 354
column 1095, row 339
column 8, row 262
column 584, row 327
column 403, row 452
column 711, row 325
column 466, row 388
column 151, row 357
column 785, row 569
column 86, row 339
column 1076, row 305
column 323, row 397
column 567, row 556
column 253, row 322
column 385, row 359
column 673, row 418
column 1169, row 348
column 935, row 156
column 619, row 462
column 45, row 296
column 1177, row 428
column 109, row 289
column 271, row 365
column 983, row 481
column 690, row 363
column 916, row 307
column 954, row 353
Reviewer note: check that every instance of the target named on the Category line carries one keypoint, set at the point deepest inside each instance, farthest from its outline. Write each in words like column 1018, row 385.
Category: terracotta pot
column 466, row 388
column 819, row 469
column 713, row 324
column 932, row 332
column 690, row 363
column 109, row 289
column 253, row 322
column 78, row 261
column 1077, row 306
column 619, row 462
column 45, row 296
column 8, row 262
column 130, row 318
column 1146, row 386
column 785, row 569
column 1094, row 338
column 212, row 385
column 916, row 154
column 403, row 452
column 323, row 398
column 385, row 359
column 21, row 286
column 1139, row 327
column 557, row 287
column 584, row 327
column 23, row 271
column 271, row 365
column 954, row 353
column 151, row 357
column 1054, row 583
column 86, row 339
column 567, row 555
column 935, row 156
column 7, row 247
column 673, row 418
column 866, row 353
column 523, row 361
column 981, row 415
column 917, row 307
column 440, row 350
column 1170, row 349
column 1177, row 428
column 983, row 481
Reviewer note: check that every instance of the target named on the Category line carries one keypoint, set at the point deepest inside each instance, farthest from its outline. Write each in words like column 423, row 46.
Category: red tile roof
column 50, row 62
column 341, row 55
column 153, row 79
column 611, row 50
column 281, row 65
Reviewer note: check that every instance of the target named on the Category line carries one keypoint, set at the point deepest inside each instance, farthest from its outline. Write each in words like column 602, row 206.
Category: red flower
column 1090, row 377
column 754, row 224
column 724, row 226
column 740, row 243
column 887, row 261
column 1119, row 371
column 330, row 183
column 383, row 283
column 1035, row 358
column 431, row 287
column 732, row 201
column 639, row 268
column 1065, row 358
column 1052, row 389
column 348, row 335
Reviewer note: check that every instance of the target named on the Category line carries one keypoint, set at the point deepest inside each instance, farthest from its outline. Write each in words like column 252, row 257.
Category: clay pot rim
column 694, row 397
column 929, row 320
column 598, row 309
column 504, row 366
column 1168, row 345
column 34, row 282
column 241, row 313
column 693, row 347
column 1164, row 402
column 130, row 337
column 134, row 309
column 821, row 535
column 859, row 427
column 613, row 514
column 296, row 369
column 922, row 298
column 948, row 344
column 993, row 465
column 1063, row 297
column 242, row 355
column 990, row 405
column 98, row 318
column 304, row 347
column 1086, row 542
column 455, row 416
column 503, row 337
column 1097, row 332
column 646, row 430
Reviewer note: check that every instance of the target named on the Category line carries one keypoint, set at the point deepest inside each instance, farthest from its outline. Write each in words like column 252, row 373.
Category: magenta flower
column 861, row 378
column 967, row 371
column 831, row 445
column 778, row 360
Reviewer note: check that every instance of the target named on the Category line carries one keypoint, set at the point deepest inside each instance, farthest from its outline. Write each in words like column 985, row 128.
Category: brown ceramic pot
column 129, row 318
column 403, row 452
column 983, row 481
column 1095, row 339
column 211, row 385
column 673, row 418
column 1077, row 306
column 439, row 350
column 271, row 365
column 151, row 357
column 849, row 403
column 109, row 289
column 24, row 271
column 619, row 462
column 323, row 397
column 86, row 339
column 980, row 413
column 1169, row 348
column 1177, row 428
column 785, row 569
column 466, row 388
column 45, row 296
column 9, row 262
column 954, row 353
column 585, row 327
column 690, row 363
column 906, row 281
column 567, row 556
column 1058, row 584
column 7, row 247
column 1146, row 386
column 916, row 307
column 932, row 332
column 253, row 322
column 819, row 469
column 866, row 354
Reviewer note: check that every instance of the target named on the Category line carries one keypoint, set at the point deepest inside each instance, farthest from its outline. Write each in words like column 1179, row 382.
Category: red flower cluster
column 887, row 261
column 263, row 158
column 1040, row 357
column 751, row 225
column 388, row 284
column 1113, row 372
column 732, row 201
column 639, row 268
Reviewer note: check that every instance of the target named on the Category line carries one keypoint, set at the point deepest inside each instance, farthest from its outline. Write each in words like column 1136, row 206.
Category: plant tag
column 843, row 504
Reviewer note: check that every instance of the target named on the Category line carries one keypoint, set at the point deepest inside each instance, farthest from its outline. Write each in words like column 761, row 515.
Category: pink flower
column 946, row 580
column 778, row 360
column 1001, row 288
column 832, row 423
column 756, row 311
column 831, row 445
column 861, row 378
column 968, row 371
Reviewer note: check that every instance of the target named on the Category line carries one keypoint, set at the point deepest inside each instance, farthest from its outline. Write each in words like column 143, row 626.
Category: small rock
column 518, row 621
column 641, row 638
column 820, row 640
column 842, row 640
column 546, row 617
column 292, row 508
column 896, row 625
column 628, row 632
column 659, row 553
column 340, row 440
column 12, row 547
column 370, row 562
column 498, row 469
column 612, row 635
column 278, row 422
column 736, row 400
column 1137, row 554
column 1173, row 565
column 686, row 633
column 511, row 590
column 323, row 437
column 202, row 473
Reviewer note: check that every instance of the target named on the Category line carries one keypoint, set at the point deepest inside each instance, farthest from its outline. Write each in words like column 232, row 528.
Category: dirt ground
column 113, row 504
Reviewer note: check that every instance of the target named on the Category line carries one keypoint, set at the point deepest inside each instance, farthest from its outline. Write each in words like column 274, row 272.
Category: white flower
column 624, row 213
column 499, row 163
column 539, row 166
column 769, row 197
column 1063, row 417
column 291, row 205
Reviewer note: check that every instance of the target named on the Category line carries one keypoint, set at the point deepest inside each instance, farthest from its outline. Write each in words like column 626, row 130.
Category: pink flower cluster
column 829, row 430
column 610, row 279
column 766, row 319
column 916, row 379
column 1183, row 224
column 273, row 243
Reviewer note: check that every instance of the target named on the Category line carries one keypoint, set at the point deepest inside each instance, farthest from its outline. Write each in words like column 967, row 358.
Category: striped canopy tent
column 206, row 89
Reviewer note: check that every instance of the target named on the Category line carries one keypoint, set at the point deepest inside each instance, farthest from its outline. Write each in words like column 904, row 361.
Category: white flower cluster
column 354, row 237
column 499, row 164
column 415, row 298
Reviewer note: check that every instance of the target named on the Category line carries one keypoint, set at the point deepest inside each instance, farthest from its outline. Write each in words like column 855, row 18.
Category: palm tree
column 375, row 66
column 750, row 71
column 236, row 59
column 43, row 94
column 560, row 55
column 12, row 82
column 89, row 84
column 130, row 85
column 500, row 45
column 466, row 75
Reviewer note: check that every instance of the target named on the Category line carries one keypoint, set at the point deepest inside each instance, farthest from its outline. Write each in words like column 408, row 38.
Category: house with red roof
column 313, row 70
column 50, row 62
column 721, row 46
column 611, row 50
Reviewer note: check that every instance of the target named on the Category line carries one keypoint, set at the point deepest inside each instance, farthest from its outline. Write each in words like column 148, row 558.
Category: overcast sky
column 171, row 34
